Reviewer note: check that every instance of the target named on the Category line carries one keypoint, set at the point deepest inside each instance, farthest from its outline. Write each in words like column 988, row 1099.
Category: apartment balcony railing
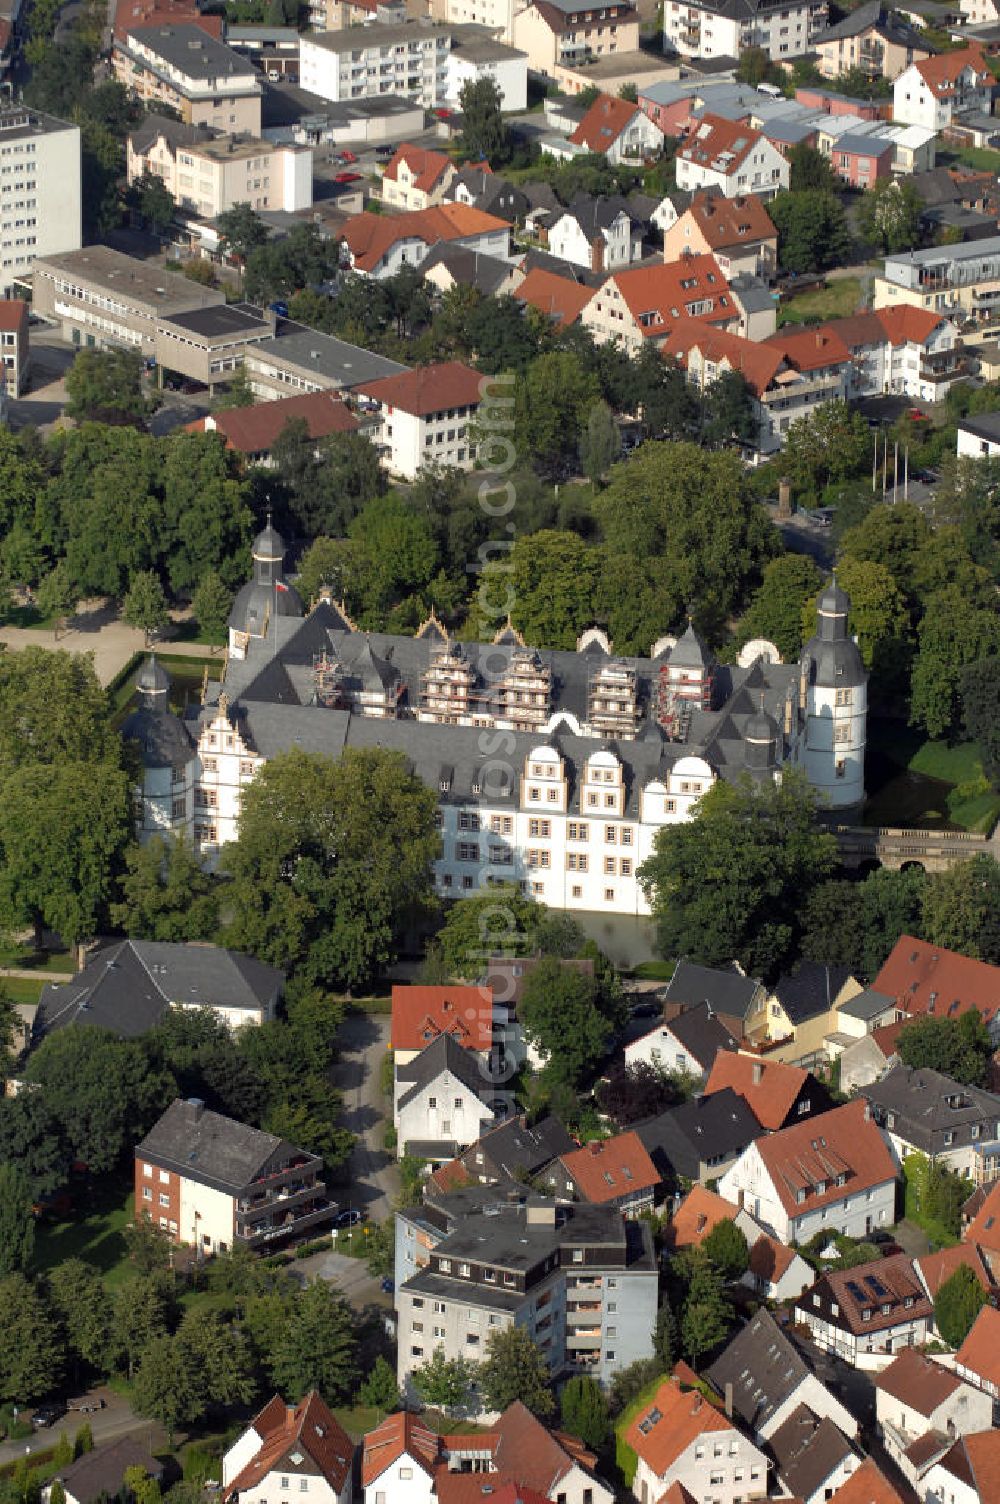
column 252, row 1209
column 291, row 1226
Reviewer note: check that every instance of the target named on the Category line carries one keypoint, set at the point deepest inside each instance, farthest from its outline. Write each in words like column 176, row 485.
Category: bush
column 390, row 1138
column 318, row 1245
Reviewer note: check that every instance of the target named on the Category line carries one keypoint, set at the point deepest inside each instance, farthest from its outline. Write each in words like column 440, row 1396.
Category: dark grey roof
column 982, row 426
column 752, row 293
column 193, row 52
column 162, row 739
column 175, row 132
column 596, row 214
column 688, row 1136
column 810, row 989
column 701, row 1033
column 152, row 677
column 539, row 260
column 345, row 365
column 468, row 266
column 514, row 1146
column 927, row 1106
column 762, row 1366
column 128, row 987
column 937, row 186
column 225, row 320
column 444, row 1054
column 100, row 1474
column 542, row 195
column 868, row 1004
column 726, row 989
column 214, row 1150
column 890, row 26
column 690, row 650
column 808, row 1450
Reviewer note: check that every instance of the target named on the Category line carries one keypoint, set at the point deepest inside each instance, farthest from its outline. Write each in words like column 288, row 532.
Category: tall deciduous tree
column 961, row 908
column 953, row 634
column 211, row 604
column 959, row 1048
column 812, row 229
column 32, row 1353
column 17, row 1221
column 165, row 893
column 707, row 1313
column 726, row 1248
column 584, row 1411
column 515, row 1369
column 730, row 882
column 105, row 385
column 317, row 1348
column 241, row 230
column 600, row 442
column 857, row 924
column 889, row 214
column 979, row 691
column 957, row 1303
column 484, row 133
column 80, row 1301
column 551, row 403
column 445, row 1383
column 500, row 922
column 562, row 1016
column 145, row 604
column 776, row 609
column 53, row 709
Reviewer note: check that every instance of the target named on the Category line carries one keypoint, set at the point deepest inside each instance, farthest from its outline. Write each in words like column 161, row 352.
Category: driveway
column 117, row 1419
column 374, row 1179
column 349, row 1277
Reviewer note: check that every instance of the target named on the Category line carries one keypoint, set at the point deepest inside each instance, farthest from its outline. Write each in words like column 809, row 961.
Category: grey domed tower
column 166, row 751
column 835, row 690
column 265, row 596
column 760, row 745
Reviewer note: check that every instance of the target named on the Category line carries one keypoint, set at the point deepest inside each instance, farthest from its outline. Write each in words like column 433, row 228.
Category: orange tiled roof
column 608, row 1168
column 428, row 389
column 908, row 325
column 867, row 1486
column 604, row 122
column 253, row 430
column 975, row 1460
column 926, row 978
column 769, row 1259
column 935, row 1268
column 980, row 1352
column 657, row 296
column 719, row 143
column 698, row 1213
column 311, row 1426
column 728, row 222
column 559, row 298
column 842, row 1142
column 426, row 166
column 370, row 237
column 756, row 363
column 398, row 1436
column 768, row 1087
column 420, row 1014
column 809, row 349
column 668, row 1424
column 941, row 73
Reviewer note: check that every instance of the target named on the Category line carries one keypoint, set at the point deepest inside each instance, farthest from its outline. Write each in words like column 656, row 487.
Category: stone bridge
column 934, row 850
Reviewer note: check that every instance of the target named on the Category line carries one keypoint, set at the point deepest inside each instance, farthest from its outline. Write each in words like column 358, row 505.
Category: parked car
column 347, row 156
column 349, row 1218
column 348, row 177
column 388, row 1285
column 47, row 1415
column 90, row 1404
column 385, row 151
column 645, row 1010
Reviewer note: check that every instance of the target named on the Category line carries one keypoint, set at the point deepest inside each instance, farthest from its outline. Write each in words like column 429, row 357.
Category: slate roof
column 444, row 1055
column 810, row 989
column 100, row 1474
column 470, row 267
column 763, row 1368
column 513, row 1146
column 808, row 1450
column 700, row 1033
column 695, row 1133
column 868, row 1004
column 128, row 987
column 205, row 1146
column 193, row 53
column 926, row 1106
column 724, row 989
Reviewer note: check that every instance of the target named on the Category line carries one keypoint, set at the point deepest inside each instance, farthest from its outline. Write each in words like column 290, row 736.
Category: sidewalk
column 98, row 631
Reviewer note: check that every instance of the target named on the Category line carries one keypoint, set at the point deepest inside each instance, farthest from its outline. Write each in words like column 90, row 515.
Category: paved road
column 115, row 1420
column 374, row 1182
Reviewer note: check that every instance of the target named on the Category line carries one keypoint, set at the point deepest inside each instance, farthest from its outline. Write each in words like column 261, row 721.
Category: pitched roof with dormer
column 370, row 237
column 420, row 1014
column 719, row 144
column 817, row 1162
column 604, row 122
column 658, row 296
column 698, row 1213
column 769, row 1088
column 426, row 167
column 727, row 223
column 941, row 74
column 608, row 1168
column 399, row 1436
column 755, row 362
column 925, row 978
column 305, row 1438
column 668, row 1424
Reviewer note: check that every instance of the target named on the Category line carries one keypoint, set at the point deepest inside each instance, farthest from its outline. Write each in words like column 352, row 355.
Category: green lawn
column 961, row 792
column 654, row 971
column 979, row 158
column 624, row 1455
column 22, row 989
column 94, row 1234
column 25, row 958
column 835, row 301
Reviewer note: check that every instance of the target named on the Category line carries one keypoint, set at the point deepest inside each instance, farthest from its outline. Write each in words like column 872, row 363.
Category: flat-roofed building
column 210, row 344
column 409, row 59
column 181, row 66
column 300, row 359
column 100, row 297
column 40, row 202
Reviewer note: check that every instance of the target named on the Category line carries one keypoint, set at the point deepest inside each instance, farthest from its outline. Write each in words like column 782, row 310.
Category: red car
column 442, row 114
column 347, row 156
column 348, row 177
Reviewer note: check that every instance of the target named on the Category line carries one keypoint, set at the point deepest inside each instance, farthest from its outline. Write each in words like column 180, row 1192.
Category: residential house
column 969, row 1473
column 832, row 1173
column 921, row 1407
column 581, row 1279
column 907, row 350
column 868, row 1485
column 978, row 1359
column 420, row 1014
column 813, row 1458
column 426, row 417
column 130, row 986
column 301, row 1447
column 755, row 302
column 862, row 160
column 211, row 1182
column 15, row 347
column 698, row 1213
column 560, row 299
column 775, row 1272
column 738, row 232
column 927, row 979
column 733, row 997
column 552, row 1464
column 983, row 1230
column 618, row 130
column 398, row 1460
column 99, row 1474
column 379, row 245
column 804, row 1004
column 251, row 432
column 875, row 39
column 678, row 1437
column 613, row 1171
column 688, row 1044
column 416, row 177
column 477, row 184
column 722, row 29
column 935, row 1268
column 181, row 66
column 867, row 1311
column 443, row 1101
column 979, row 437
column 512, row 1150
column 208, row 171
column 449, row 265
column 765, row 1379
column 599, row 234
column 922, row 1111
column 933, row 91
column 698, row 1140
column 558, row 35
column 643, row 303
column 730, row 156
column 777, row 1095
column 670, row 208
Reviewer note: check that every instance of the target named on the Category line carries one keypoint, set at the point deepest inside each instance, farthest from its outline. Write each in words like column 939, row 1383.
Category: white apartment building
column 960, row 281
column 725, row 28
column 408, row 59
column 496, row 16
column 932, row 92
column 482, row 57
column 40, row 200
column 424, row 417
column 209, row 174
column 181, row 66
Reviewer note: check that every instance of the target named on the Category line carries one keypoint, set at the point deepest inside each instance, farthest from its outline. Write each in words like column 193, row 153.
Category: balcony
column 947, row 370
column 583, row 1315
column 584, row 1340
column 253, row 1208
column 291, row 1227
column 287, row 1173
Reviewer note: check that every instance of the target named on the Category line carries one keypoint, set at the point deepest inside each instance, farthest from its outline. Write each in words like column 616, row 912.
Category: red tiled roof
column 935, row 1268
column 398, row 1436
column 310, row 1427
column 715, row 138
column 482, row 1488
column 729, row 222
column 757, row 364
column 604, row 122
column 808, row 349
column 858, row 329
column 980, row 1352
column 668, row 1424
column 427, row 167
column 559, row 298
column 253, row 430
column 867, row 1486
column 769, row 1259
column 818, row 1150
column 768, row 1087
column 975, row 1460
column 420, row 1014
column 887, row 1037
column 941, row 73
column 868, row 1287
column 918, row 1382
column 657, row 296
column 451, row 1176
column 984, row 1228
column 608, row 1168
column 917, row 974
column 370, row 236
column 908, row 325
column 132, row 15
column 527, row 1453
column 14, row 315
column 428, row 389
column 698, row 1213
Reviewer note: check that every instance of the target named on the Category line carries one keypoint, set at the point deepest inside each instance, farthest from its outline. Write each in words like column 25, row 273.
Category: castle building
column 600, row 752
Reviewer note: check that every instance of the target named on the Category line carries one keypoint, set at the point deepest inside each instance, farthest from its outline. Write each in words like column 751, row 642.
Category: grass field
column 26, row 958
column 22, row 989
column 929, row 775
column 980, row 158
column 94, row 1236
column 835, row 301
column 624, row 1455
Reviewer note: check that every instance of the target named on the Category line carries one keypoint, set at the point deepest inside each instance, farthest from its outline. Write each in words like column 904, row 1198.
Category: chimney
column 696, row 1406
column 197, row 1106
column 729, row 1401
column 595, row 1147
column 788, row 716
column 868, row 1110
column 758, row 1072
